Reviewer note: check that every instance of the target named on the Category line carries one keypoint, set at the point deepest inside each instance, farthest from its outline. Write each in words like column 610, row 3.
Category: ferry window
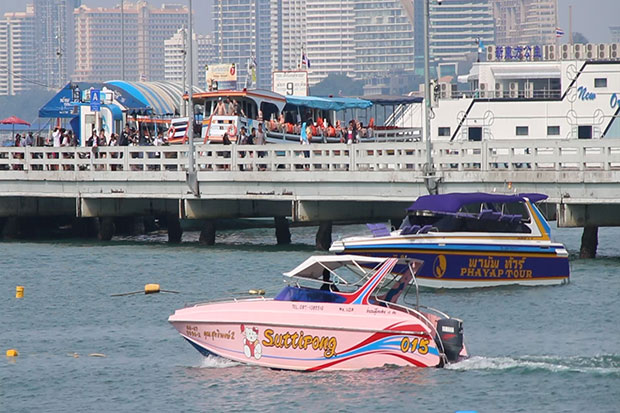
column 475, row 134
column 522, row 131
column 443, row 131
column 553, row 130
column 584, row 132
column 600, row 82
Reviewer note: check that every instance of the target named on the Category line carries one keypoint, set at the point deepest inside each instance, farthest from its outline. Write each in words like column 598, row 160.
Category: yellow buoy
column 19, row 291
column 151, row 288
column 257, row 292
column 12, row 353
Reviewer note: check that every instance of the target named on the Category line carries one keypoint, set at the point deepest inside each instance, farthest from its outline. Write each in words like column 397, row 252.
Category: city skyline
column 592, row 18
column 383, row 42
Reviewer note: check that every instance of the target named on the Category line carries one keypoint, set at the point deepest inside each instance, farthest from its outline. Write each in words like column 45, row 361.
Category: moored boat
column 353, row 313
column 471, row 240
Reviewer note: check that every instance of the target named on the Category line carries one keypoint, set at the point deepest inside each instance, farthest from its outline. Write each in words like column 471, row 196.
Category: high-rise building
column 288, row 28
column 242, row 31
column 205, row 55
column 458, row 29
column 18, row 67
column 525, row 22
column 54, row 37
column 176, row 58
column 383, row 38
column 98, row 40
column 330, row 45
column 615, row 34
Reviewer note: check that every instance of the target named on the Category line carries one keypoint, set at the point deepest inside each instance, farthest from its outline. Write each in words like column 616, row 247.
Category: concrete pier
column 589, row 242
column 283, row 233
column 175, row 232
column 107, row 228
column 207, row 233
column 324, row 236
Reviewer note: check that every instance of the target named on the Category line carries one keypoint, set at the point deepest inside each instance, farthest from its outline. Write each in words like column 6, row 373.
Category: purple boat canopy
column 454, row 201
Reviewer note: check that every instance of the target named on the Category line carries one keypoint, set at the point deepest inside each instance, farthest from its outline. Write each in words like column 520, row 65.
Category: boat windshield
column 474, row 217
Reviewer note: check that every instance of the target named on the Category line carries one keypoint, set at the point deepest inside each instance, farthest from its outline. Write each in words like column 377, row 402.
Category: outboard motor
column 451, row 334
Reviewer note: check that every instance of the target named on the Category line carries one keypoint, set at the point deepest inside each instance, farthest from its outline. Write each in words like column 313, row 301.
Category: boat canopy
column 313, row 267
column 328, row 103
column 454, row 201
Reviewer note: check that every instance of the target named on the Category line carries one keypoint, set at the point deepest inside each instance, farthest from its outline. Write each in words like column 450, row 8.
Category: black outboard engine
column 451, row 334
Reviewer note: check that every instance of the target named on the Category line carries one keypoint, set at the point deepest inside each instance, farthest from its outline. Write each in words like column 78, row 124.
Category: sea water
column 534, row 349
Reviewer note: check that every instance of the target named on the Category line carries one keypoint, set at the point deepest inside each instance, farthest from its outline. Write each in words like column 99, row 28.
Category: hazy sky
column 590, row 17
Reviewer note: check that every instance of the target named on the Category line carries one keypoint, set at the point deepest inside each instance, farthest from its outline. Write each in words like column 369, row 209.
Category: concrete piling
column 207, row 233
column 589, row 242
column 106, row 229
column 324, row 236
column 283, row 233
column 175, row 232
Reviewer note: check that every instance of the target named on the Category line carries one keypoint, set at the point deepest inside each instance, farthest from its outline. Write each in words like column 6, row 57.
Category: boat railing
column 244, row 297
column 414, row 312
column 378, row 134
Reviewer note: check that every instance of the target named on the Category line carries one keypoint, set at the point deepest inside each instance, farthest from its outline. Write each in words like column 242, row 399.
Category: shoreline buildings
column 19, row 64
column 98, row 41
column 377, row 42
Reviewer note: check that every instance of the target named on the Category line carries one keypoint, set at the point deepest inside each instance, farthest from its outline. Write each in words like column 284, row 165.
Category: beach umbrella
column 13, row 120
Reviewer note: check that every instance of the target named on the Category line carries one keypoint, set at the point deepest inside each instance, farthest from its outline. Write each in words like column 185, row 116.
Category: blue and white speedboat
column 471, row 240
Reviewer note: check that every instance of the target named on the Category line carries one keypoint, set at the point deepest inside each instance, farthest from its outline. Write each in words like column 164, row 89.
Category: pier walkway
column 311, row 183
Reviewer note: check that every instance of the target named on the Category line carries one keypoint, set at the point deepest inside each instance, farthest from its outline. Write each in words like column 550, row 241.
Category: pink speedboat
column 352, row 313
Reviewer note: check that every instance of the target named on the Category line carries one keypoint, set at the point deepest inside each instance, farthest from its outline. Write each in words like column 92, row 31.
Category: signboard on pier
column 95, row 100
column 288, row 83
column 221, row 76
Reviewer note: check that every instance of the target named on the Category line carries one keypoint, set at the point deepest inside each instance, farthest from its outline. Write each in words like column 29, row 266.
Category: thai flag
column 305, row 60
column 559, row 32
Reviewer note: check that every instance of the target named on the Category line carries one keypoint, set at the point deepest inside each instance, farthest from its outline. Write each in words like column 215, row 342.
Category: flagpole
column 570, row 24
column 557, row 39
column 429, row 170
column 192, row 179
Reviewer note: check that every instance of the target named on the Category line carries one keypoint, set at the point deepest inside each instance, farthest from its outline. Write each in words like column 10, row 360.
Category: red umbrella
column 13, row 120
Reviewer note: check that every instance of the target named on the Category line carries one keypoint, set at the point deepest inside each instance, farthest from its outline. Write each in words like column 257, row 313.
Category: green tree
column 337, row 85
column 580, row 38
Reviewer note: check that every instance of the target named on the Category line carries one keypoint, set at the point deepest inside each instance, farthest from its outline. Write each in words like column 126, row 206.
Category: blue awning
column 117, row 113
column 336, row 103
column 454, row 201
column 60, row 106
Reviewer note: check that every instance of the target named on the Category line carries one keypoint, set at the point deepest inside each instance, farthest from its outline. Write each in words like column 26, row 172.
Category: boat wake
column 214, row 362
column 606, row 364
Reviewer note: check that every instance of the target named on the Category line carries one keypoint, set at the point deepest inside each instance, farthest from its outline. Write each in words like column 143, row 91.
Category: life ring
column 171, row 133
column 234, row 130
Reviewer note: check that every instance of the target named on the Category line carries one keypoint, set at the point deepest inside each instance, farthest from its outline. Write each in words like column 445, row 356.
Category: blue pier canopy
column 328, row 103
column 162, row 98
column 454, row 201
column 62, row 105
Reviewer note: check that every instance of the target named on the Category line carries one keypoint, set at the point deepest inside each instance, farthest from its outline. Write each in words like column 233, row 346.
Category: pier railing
column 488, row 156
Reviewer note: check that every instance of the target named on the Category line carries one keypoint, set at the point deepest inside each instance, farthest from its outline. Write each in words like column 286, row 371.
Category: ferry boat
column 353, row 312
column 252, row 108
column 471, row 240
column 552, row 99
column 282, row 117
